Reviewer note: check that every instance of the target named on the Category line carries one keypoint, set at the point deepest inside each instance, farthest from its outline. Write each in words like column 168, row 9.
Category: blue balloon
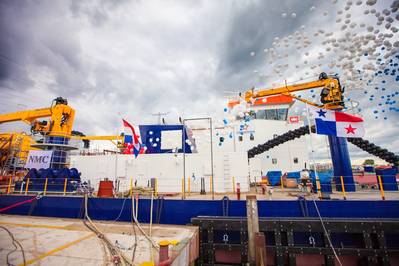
column 225, row 109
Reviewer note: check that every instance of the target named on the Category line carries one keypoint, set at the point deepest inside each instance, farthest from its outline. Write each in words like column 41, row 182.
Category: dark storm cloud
column 133, row 58
column 252, row 29
column 39, row 34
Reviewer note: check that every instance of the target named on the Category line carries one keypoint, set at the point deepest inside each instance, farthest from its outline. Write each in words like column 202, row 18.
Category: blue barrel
column 294, row 175
column 388, row 178
column 369, row 169
column 74, row 174
column 325, row 181
column 32, row 174
column 274, row 177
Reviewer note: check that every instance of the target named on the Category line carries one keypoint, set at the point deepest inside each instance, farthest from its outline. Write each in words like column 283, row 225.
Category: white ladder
column 226, row 173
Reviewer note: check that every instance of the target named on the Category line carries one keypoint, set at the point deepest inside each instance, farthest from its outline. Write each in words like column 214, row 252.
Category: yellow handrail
column 65, row 186
column 343, row 187
column 45, row 186
column 381, row 188
column 9, row 186
column 27, row 186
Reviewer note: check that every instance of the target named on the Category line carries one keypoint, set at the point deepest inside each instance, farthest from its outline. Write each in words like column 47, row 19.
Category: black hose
column 365, row 145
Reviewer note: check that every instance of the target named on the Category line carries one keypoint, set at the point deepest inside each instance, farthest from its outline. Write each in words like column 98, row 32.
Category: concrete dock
column 55, row 241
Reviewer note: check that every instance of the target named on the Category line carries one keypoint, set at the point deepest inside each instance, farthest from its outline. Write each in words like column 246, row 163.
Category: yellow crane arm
column 110, row 138
column 97, row 137
column 26, row 116
column 331, row 95
column 61, row 118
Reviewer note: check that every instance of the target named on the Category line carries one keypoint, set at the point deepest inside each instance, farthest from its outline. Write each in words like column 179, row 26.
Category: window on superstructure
column 274, row 161
column 295, row 160
column 272, row 114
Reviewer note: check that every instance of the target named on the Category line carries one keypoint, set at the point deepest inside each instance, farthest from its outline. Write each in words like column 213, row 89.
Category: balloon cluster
column 236, row 117
column 363, row 49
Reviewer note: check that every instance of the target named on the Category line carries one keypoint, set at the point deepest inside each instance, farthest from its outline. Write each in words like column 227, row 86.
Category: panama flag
column 133, row 145
column 335, row 123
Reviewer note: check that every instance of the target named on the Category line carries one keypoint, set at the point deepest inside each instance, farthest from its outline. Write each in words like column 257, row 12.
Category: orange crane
column 331, row 94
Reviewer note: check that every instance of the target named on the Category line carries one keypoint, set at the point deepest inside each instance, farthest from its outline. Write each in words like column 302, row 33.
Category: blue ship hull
column 173, row 211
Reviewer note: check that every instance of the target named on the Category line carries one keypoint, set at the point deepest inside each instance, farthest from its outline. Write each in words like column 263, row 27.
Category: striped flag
column 336, row 123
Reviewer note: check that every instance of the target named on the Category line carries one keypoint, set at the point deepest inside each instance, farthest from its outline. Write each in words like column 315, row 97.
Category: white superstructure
column 230, row 159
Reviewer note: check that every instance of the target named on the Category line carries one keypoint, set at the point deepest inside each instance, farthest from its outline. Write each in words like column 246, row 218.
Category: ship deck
column 55, row 241
column 290, row 194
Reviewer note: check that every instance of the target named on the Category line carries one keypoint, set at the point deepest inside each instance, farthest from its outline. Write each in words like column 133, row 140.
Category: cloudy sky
column 114, row 59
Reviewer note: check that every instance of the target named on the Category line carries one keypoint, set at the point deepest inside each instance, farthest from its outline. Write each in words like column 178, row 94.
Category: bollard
column 343, row 187
column 381, row 188
column 45, row 187
column 27, row 186
column 9, row 185
column 203, row 186
column 163, row 251
column 234, row 184
column 318, row 188
column 210, row 184
column 282, row 184
column 238, row 191
column 65, row 185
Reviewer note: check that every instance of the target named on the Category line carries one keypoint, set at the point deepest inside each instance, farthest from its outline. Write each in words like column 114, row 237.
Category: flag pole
column 310, row 141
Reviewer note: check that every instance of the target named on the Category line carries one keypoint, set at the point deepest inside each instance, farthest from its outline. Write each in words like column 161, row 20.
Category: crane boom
column 27, row 116
column 116, row 137
column 331, row 95
column 61, row 118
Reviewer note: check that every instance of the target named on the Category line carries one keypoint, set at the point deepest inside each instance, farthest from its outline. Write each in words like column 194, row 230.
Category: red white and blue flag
column 335, row 123
column 131, row 140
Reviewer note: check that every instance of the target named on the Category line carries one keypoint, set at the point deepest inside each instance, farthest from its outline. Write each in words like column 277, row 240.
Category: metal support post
column 253, row 226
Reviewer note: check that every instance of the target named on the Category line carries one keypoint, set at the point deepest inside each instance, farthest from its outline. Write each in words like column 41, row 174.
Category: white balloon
column 284, row 15
column 252, row 53
column 293, row 15
column 386, row 12
column 312, row 8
